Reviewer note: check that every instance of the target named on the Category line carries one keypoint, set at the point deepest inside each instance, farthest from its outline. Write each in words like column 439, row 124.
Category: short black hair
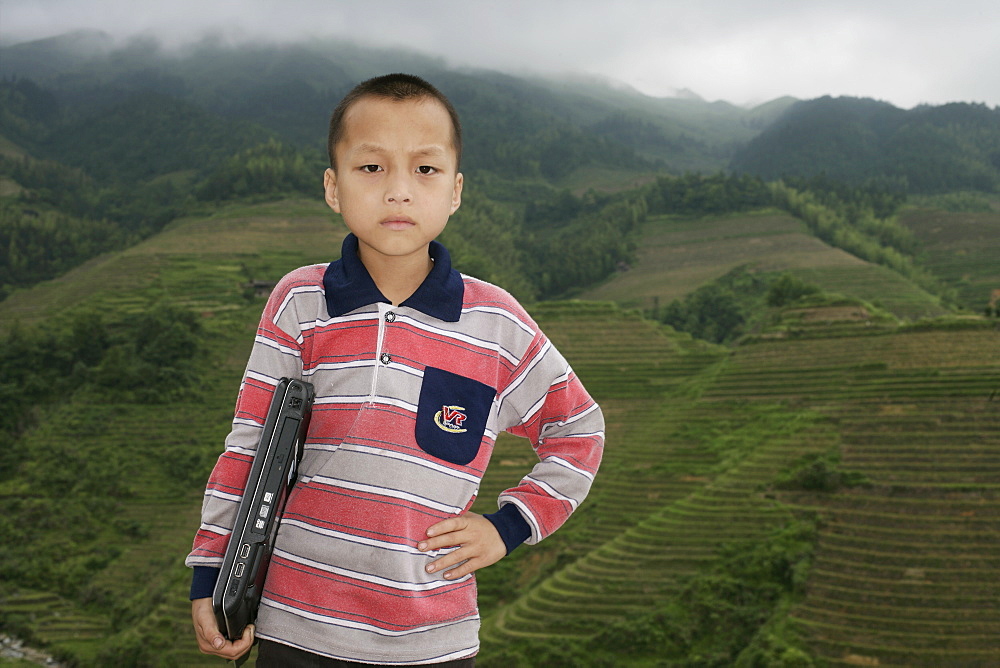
column 397, row 87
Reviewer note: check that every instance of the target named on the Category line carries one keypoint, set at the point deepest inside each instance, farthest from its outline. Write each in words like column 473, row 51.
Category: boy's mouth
column 397, row 223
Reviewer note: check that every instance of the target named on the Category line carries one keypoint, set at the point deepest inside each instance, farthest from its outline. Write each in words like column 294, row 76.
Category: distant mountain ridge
column 280, row 86
column 926, row 149
column 550, row 125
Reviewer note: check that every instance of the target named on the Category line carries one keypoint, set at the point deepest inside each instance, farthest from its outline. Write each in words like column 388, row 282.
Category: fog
column 906, row 53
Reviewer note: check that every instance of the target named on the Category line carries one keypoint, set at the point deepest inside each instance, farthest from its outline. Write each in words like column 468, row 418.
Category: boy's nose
column 397, row 190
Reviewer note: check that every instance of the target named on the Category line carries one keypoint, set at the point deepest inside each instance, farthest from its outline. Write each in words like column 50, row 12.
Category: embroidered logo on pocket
column 450, row 419
column 451, row 415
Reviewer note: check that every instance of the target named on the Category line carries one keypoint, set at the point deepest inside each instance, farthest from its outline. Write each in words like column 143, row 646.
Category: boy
column 416, row 370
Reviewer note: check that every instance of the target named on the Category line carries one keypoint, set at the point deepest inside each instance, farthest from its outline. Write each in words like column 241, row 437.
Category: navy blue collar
column 349, row 286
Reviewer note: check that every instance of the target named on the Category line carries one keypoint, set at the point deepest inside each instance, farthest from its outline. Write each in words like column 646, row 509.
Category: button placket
column 382, row 358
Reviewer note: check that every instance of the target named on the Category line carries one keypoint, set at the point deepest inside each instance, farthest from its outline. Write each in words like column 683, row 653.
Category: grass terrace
column 906, row 570
column 887, row 436
column 961, row 248
column 678, row 255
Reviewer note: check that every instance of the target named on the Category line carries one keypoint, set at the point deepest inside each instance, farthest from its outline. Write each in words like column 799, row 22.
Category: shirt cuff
column 511, row 525
column 203, row 581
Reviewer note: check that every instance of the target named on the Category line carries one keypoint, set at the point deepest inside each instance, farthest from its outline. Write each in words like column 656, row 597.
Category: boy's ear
column 456, row 197
column 330, row 188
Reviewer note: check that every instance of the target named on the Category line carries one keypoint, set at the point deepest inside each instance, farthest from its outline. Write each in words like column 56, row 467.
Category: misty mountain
column 290, row 90
column 926, row 149
column 134, row 112
column 45, row 58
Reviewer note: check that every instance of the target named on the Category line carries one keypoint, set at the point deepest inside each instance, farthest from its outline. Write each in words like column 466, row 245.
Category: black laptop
column 238, row 589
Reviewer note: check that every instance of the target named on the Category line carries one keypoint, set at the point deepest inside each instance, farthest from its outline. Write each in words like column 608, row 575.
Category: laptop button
column 245, row 551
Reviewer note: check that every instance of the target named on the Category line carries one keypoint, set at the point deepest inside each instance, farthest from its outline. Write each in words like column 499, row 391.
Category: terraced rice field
column 907, row 571
column 907, row 567
column 157, row 481
column 962, row 248
column 196, row 263
column 678, row 255
column 656, row 468
column 58, row 621
column 681, row 477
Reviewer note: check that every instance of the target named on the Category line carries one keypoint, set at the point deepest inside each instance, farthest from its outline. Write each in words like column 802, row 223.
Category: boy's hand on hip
column 210, row 640
column 479, row 542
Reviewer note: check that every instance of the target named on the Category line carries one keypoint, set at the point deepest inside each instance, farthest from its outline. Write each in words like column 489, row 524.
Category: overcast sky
column 906, row 52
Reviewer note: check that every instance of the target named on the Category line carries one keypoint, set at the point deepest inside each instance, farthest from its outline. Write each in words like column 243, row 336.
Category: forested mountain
column 103, row 144
column 518, row 127
column 925, row 150
column 290, row 90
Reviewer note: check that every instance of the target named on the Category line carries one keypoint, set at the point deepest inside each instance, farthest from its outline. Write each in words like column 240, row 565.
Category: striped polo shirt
column 409, row 402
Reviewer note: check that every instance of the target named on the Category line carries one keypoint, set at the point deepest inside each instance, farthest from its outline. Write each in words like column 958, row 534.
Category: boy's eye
column 371, row 169
column 426, row 169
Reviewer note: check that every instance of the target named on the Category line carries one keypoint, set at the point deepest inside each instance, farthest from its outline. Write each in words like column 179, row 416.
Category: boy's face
column 396, row 181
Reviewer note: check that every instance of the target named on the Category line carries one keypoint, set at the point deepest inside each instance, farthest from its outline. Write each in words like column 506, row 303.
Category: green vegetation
column 677, row 256
column 262, row 172
column 698, row 431
column 59, row 217
column 911, row 408
column 698, row 195
column 820, row 489
column 734, row 305
column 955, row 202
column 858, row 231
column 961, row 248
column 720, row 616
column 726, row 615
column 63, row 498
column 818, row 473
column 928, row 150
column 146, row 356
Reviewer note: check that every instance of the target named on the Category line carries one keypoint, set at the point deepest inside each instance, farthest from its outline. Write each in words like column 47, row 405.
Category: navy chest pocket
column 452, row 415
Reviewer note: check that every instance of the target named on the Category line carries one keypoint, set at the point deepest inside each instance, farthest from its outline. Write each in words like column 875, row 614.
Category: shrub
column 728, row 615
column 787, row 289
column 818, row 473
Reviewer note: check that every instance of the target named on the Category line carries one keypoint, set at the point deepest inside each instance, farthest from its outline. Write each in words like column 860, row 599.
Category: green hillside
column 246, row 242
column 925, row 149
column 124, row 581
column 859, row 459
column 961, row 248
column 905, row 567
column 289, row 90
column 680, row 254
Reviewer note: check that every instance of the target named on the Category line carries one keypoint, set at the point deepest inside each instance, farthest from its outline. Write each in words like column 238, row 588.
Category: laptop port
column 239, row 571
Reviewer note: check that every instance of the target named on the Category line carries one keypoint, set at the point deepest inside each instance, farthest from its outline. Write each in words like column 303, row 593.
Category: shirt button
column 385, row 358
column 390, row 317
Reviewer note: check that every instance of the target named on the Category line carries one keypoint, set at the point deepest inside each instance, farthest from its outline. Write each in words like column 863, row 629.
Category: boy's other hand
column 479, row 545
column 210, row 640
